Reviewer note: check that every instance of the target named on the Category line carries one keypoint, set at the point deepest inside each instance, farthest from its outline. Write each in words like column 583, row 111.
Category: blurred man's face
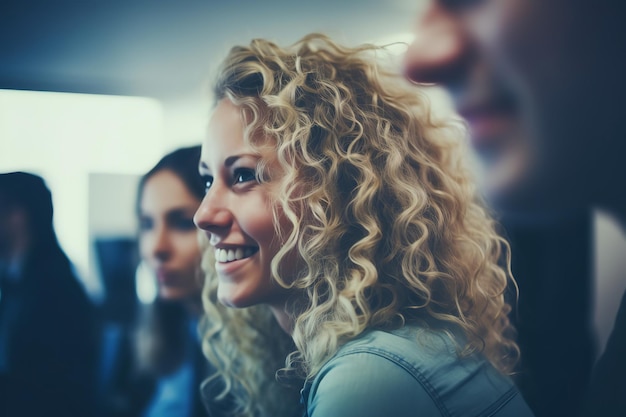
column 524, row 74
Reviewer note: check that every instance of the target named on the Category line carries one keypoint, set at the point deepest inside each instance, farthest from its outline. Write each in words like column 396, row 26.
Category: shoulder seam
column 411, row 370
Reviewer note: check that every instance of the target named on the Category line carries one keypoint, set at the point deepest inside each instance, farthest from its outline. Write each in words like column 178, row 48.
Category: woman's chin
column 233, row 302
column 174, row 294
column 233, row 299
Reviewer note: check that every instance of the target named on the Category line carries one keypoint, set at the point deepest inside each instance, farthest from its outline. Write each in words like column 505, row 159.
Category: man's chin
column 530, row 198
column 504, row 179
column 519, row 178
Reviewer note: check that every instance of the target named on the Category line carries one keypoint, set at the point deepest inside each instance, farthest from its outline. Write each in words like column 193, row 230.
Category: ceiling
column 165, row 49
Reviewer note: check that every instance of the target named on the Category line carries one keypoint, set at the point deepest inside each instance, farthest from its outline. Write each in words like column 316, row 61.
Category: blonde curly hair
column 384, row 212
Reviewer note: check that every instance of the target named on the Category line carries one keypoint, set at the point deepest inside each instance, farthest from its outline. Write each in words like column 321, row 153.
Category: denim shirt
column 409, row 372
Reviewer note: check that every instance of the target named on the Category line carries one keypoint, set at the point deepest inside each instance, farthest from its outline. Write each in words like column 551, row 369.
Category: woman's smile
column 226, row 255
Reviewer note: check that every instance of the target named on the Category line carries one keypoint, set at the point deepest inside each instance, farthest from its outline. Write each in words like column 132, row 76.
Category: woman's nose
column 214, row 215
column 439, row 46
column 161, row 245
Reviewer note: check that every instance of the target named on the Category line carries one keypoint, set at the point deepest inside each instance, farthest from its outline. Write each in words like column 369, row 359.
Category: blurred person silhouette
column 541, row 84
column 47, row 322
column 163, row 366
column 335, row 200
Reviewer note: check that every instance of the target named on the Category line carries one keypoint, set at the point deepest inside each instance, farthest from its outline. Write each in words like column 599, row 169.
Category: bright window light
column 64, row 137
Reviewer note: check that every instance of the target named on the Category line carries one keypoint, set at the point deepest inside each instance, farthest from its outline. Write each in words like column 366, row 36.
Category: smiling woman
column 337, row 202
column 234, row 198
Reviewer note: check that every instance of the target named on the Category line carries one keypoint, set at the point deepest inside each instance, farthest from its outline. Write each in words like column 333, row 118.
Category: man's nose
column 439, row 47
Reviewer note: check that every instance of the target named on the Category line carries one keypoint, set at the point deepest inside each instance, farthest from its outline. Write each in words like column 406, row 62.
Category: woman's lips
column 228, row 260
column 227, row 263
column 166, row 277
column 224, row 255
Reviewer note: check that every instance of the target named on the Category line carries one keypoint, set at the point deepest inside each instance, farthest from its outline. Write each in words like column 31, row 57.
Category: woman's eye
column 242, row 175
column 207, row 180
column 145, row 224
column 183, row 224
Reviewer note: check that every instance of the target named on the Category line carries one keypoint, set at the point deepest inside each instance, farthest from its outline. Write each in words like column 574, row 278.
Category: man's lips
column 488, row 120
column 487, row 127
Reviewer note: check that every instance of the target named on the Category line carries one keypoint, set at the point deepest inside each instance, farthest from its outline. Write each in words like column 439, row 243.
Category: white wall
column 111, row 214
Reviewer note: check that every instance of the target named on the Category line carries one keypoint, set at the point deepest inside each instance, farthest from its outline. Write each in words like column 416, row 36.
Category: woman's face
column 237, row 215
column 168, row 240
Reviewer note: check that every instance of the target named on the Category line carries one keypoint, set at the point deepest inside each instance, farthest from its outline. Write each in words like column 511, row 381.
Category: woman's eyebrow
column 228, row 162
column 232, row 159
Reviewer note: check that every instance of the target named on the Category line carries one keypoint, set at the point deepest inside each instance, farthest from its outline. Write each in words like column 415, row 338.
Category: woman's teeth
column 229, row 255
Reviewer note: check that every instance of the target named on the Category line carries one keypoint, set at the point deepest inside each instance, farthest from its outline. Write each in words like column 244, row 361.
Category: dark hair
column 184, row 163
column 30, row 193
column 163, row 324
